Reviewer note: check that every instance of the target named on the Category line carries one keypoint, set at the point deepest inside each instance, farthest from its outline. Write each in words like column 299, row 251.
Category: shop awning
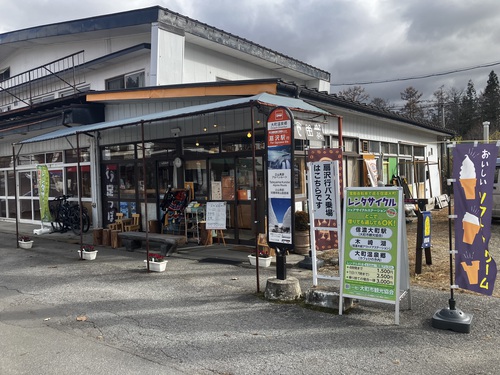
column 262, row 99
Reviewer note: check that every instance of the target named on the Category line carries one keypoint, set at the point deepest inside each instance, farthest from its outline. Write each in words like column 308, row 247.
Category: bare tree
column 382, row 104
column 355, row 93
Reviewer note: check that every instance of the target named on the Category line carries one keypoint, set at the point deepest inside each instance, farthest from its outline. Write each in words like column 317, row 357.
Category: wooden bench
column 168, row 243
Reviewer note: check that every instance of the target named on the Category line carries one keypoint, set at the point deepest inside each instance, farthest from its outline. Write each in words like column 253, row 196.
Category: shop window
column 148, row 182
column 393, row 148
column 56, row 183
column 165, row 149
column 351, row 171
column 72, row 181
column 54, row 157
column 242, row 141
column 222, row 179
column 374, row 147
column 6, row 162
column 25, row 160
column 406, row 170
column 128, row 183
column 71, row 156
column 332, row 142
column 3, row 184
column 245, row 176
column 27, row 179
column 350, row 145
column 11, row 184
column 405, row 149
column 196, row 178
column 119, row 152
column 201, row 145
column 419, row 151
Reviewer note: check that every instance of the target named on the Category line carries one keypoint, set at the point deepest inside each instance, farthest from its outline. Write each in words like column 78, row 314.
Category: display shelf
column 193, row 215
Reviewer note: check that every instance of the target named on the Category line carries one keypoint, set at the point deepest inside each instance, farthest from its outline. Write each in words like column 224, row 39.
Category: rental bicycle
column 66, row 215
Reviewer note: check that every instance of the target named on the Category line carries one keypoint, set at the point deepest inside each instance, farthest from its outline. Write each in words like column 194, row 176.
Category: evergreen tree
column 437, row 116
column 453, row 109
column 412, row 107
column 469, row 116
column 490, row 103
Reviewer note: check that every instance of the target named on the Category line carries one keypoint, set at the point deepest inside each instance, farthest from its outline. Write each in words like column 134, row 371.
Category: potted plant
column 25, row 242
column 87, row 252
column 302, row 243
column 157, row 262
column 264, row 259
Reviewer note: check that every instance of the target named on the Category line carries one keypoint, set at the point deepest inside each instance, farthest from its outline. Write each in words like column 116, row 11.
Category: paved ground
column 60, row 315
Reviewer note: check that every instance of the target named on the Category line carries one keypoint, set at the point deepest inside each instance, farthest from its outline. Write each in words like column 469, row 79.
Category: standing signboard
column 473, row 173
column 324, row 212
column 374, row 248
column 216, row 216
column 324, row 237
column 280, row 195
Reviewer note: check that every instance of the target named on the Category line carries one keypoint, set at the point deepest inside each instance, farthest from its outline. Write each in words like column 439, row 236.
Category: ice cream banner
column 473, row 171
column 43, row 180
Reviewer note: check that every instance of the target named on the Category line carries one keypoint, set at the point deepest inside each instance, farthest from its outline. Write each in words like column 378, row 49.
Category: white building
column 118, row 68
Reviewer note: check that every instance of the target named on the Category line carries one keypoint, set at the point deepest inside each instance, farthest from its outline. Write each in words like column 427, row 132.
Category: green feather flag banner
column 43, row 179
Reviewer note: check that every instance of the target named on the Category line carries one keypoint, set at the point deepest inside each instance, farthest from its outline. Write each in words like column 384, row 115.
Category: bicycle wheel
column 85, row 221
column 56, row 223
column 75, row 220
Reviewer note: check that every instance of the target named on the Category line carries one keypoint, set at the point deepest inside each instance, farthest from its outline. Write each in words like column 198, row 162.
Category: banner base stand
column 42, row 230
column 454, row 320
column 307, row 263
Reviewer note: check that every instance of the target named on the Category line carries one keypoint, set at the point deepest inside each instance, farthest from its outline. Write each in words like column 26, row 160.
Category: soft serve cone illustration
column 470, row 225
column 468, row 178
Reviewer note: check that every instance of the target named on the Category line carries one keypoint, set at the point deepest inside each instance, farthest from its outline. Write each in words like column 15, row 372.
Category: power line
column 418, row 77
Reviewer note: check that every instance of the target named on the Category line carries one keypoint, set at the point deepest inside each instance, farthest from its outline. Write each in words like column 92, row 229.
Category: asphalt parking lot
column 61, row 315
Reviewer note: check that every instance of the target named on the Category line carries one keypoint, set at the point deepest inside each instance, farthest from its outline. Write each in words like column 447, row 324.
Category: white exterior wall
column 227, row 121
column 204, row 65
column 28, row 58
column 167, row 57
column 373, row 128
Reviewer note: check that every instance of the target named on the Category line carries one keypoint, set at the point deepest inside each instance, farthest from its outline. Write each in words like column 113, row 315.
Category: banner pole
column 451, row 318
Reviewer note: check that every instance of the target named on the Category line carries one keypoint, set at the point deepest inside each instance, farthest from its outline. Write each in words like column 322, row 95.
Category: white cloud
column 354, row 40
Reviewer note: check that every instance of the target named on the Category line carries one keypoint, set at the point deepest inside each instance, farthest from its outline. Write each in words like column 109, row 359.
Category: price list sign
column 371, row 243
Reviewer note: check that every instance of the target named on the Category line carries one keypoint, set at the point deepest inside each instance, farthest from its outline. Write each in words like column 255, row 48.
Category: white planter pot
column 263, row 262
column 156, row 266
column 25, row 244
column 88, row 255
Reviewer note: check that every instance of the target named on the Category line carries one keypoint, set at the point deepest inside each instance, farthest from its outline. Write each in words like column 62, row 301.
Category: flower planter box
column 156, row 266
column 25, row 244
column 88, row 255
column 263, row 262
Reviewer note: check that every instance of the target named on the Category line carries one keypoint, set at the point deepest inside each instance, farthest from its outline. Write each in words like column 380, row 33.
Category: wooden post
column 106, row 237
column 115, row 239
column 97, row 235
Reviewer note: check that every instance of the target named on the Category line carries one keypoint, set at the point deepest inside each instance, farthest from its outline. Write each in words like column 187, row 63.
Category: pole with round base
column 452, row 318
